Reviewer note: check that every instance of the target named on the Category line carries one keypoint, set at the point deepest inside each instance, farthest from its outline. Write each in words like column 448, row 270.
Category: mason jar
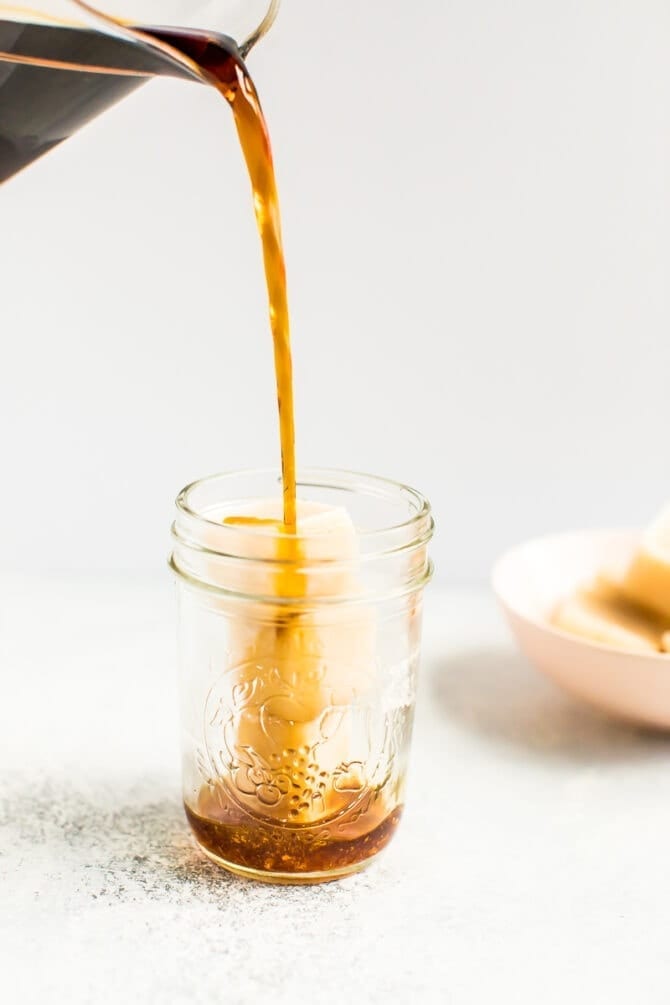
column 298, row 660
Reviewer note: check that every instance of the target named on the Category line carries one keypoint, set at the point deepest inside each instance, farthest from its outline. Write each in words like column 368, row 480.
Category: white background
column 477, row 217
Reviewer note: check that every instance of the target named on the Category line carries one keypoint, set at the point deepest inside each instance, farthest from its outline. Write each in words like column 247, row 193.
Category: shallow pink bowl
column 530, row 580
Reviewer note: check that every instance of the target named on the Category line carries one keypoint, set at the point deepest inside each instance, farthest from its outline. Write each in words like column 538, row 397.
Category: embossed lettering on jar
column 299, row 656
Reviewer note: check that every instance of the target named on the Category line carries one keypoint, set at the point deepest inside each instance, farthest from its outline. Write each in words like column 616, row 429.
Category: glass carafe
column 67, row 61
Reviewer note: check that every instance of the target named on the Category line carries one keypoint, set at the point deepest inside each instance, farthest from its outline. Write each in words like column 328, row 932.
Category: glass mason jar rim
column 314, row 478
column 207, row 551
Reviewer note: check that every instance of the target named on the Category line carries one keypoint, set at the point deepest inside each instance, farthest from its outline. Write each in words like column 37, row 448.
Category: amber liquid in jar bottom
column 296, row 854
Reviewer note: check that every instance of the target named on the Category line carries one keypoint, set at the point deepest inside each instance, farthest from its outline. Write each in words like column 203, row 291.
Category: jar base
column 291, row 855
column 286, row 878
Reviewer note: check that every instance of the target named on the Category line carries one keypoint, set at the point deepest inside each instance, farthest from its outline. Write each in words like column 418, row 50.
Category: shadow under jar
column 298, row 663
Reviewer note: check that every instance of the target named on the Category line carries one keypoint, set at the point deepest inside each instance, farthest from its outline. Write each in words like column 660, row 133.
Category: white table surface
column 532, row 865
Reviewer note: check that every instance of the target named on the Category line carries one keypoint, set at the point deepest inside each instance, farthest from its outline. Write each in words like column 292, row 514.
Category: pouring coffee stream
column 55, row 77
